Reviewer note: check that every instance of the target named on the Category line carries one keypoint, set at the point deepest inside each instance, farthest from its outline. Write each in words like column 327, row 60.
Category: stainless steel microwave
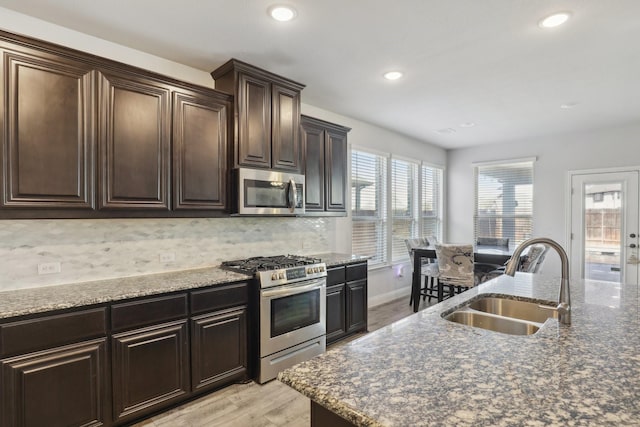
column 266, row 192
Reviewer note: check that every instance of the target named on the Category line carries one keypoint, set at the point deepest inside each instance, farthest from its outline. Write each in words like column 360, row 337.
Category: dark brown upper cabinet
column 200, row 123
column 47, row 127
column 325, row 148
column 267, row 116
column 134, row 140
column 86, row 137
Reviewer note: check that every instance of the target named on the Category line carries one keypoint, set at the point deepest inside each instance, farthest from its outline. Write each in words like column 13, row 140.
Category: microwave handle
column 293, row 195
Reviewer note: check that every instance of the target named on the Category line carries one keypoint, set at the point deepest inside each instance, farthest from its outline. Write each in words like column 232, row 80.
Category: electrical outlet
column 167, row 257
column 49, row 268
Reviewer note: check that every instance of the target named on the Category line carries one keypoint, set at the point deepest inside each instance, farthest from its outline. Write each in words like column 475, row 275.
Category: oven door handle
column 293, row 289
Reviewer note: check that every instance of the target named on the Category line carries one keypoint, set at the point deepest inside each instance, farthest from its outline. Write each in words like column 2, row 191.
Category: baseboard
column 390, row 296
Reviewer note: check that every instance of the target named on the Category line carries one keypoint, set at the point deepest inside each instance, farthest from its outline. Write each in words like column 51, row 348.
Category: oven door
column 292, row 314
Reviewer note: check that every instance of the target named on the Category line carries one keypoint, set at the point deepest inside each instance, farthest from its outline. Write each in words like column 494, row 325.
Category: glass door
column 604, row 226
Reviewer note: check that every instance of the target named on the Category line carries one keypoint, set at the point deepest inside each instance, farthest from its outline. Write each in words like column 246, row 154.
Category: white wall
column 383, row 283
column 556, row 156
column 18, row 23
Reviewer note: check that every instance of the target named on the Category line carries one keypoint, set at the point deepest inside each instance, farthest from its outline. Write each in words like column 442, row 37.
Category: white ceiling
column 482, row 61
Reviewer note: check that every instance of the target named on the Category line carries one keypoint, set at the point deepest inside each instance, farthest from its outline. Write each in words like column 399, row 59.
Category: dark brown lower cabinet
column 322, row 417
column 357, row 305
column 218, row 348
column 336, row 320
column 64, row 386
column 346, row 300
column 150, row 369
column 115, row 364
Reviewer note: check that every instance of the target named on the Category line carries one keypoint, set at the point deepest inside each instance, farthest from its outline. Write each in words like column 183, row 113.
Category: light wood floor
column 268, row 405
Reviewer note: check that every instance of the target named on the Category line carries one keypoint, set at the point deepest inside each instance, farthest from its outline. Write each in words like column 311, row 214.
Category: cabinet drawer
column 51, row 331
column 219, row 298
column 335, row 275
column 148, row 311
column 356, row 271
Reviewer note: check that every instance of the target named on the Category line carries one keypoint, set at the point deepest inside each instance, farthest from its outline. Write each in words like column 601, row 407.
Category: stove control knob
column 316, row 269
column 281, row 275
column 309, row 270
column 321, row 269
column 274, row 276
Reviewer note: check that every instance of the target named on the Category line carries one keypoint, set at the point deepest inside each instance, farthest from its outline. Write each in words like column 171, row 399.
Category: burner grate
column 255, row 264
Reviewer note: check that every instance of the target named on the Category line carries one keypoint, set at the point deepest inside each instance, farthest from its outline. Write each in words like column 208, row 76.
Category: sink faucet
column 564, row 299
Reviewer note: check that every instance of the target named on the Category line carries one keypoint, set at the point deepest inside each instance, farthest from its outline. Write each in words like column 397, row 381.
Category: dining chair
column 428, row 269
column 455, row 268
column 530, row 262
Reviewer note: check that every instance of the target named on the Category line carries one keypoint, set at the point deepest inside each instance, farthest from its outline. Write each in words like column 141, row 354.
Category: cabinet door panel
column 57, row 388
column 286, row 128
column 49, row 142
column 254, row 122
column 134, row 143
column 199, row 152
column 336, row 171
column 336, row 320
column 219, row 348
column 150, row 369
column 313, row 143
column 357, row 305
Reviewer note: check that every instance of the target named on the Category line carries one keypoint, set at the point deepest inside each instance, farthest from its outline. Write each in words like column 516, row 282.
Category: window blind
column 404, row 207
column 504, row 201
column 369, row 205
column 431, row 202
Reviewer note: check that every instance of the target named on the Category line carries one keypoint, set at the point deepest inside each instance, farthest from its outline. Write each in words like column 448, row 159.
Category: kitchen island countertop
column 424, row 370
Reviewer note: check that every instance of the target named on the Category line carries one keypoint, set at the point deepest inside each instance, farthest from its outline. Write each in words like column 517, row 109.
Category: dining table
column 483, row 254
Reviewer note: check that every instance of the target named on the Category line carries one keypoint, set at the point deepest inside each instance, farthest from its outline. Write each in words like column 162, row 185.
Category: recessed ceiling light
column 282, row 13
column 393, row 75
column 467, row 124
column 568, row 105
column 554, row 20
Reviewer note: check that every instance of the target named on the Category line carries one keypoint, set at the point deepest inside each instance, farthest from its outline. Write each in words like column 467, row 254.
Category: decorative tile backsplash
column 103, row 249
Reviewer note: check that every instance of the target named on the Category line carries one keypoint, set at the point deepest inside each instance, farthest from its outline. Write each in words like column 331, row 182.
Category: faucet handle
column 563, row 308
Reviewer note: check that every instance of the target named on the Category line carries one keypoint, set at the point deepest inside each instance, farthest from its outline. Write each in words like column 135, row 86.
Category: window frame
column 418, row 219
column 508, row 163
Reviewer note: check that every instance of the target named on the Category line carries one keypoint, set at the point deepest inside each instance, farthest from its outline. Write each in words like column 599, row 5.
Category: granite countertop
column 42, row 299
column 424, row 370
column 333, row 258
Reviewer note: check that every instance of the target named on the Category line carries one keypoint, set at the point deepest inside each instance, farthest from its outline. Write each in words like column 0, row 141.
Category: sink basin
column 523, row 310
column 493, row 323
column 505, row 315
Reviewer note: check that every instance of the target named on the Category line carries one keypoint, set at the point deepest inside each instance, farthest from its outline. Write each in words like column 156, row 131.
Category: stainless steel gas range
column 292, row 309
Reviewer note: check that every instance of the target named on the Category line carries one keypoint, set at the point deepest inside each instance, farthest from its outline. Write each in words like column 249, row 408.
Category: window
column 369, row 205
column 504, row 200
column 404, row 206
column 431, row 202
column 392, row 200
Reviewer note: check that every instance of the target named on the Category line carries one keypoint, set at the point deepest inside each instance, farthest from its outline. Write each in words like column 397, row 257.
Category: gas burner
column 255, row 264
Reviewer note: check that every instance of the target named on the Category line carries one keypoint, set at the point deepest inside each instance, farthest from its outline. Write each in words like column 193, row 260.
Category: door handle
column 633, row 245
column 632, row 235
column 293, row 195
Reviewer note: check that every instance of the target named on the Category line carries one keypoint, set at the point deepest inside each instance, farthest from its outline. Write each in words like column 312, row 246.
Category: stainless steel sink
column 505, row 315
column 493, row 323
column 523, row 310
